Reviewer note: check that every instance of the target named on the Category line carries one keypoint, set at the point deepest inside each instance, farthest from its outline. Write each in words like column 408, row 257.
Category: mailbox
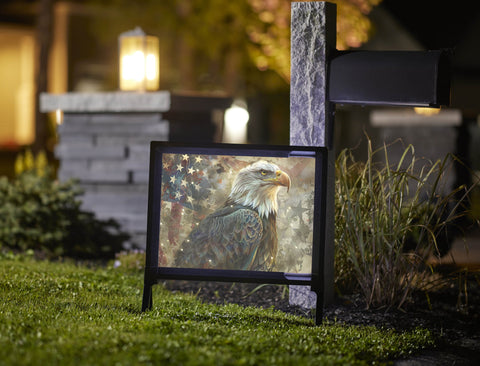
column 407, row 78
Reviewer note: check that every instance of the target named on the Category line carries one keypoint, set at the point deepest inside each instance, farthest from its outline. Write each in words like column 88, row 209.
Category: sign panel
column 241, row 213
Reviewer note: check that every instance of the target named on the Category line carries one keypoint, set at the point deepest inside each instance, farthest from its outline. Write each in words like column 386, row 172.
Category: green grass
column 63, row 314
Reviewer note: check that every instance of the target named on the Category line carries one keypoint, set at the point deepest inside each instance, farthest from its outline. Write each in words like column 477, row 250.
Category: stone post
column 313, row 38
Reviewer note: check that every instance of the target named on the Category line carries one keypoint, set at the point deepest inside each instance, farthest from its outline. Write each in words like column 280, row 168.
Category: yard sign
column 235, row 213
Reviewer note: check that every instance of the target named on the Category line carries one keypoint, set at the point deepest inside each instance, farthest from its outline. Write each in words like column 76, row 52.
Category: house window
column 17, row 88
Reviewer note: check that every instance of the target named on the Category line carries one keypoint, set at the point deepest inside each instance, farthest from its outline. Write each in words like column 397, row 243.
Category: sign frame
column 154, row 272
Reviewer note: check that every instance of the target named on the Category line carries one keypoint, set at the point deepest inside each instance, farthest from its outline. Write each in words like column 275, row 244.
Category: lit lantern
column 139, row 61
column 236, row 120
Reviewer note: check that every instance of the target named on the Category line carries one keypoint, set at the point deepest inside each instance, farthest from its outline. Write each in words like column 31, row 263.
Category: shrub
column 41, row 214
column 130, row 261
column 389, row 219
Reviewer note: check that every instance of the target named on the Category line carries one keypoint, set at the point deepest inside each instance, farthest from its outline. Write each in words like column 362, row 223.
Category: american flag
column 184, row 180
column 193, row 181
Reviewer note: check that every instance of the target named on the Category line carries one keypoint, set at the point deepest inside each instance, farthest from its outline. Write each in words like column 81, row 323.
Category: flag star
column 184, row 183
column 179, row 167
column 184, row 157
column 296, row 211
column 172, row 179
column 190, row 199
column 166, row 165
column 198, row 159
column 178, row 195
column 191, row 170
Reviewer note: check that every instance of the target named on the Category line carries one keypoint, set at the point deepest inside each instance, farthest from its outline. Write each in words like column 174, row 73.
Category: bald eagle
column 243, row 233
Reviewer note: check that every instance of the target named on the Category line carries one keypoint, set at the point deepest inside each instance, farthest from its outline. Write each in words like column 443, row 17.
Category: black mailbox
column 412, row 78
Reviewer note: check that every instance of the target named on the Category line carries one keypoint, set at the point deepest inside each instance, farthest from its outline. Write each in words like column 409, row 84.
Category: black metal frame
column 154, row 273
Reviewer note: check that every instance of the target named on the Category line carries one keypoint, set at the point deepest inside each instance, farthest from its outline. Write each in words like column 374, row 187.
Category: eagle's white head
column 257, row 185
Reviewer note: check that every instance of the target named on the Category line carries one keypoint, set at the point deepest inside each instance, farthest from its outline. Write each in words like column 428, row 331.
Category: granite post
column 313, row 39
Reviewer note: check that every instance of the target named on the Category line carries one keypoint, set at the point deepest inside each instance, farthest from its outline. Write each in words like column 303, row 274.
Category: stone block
column 74, row 119
column 140, row 189
column 106, row 102
column 139, row 154
column 73, row 165
column 77, row 174
column 141, row 176
column 159, row 129
column 68, row 127
column 106, row 177
column 108, row 166
column 63, row 151
column 73, row 169
column 139, row 151
column 116, row 204
column 74, row 149
column 138, row 119
column 133, row 223
column 126, row 168
column 83, row 140
column 127, row 140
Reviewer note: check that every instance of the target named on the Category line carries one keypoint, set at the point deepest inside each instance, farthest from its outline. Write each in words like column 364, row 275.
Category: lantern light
column 236, row 120
column 139, row 61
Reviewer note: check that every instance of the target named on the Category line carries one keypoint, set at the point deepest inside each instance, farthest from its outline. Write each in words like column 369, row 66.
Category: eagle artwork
column 241, row 235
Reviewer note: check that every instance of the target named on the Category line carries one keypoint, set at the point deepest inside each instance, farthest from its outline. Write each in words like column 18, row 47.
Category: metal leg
column 147, row 301
column 319, row 308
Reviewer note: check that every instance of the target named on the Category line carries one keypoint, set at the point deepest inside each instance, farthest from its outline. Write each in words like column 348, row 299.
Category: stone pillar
column 313, row 37
column 104, row 143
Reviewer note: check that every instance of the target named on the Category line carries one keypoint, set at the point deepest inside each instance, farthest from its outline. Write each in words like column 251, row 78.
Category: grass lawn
column 64, row 314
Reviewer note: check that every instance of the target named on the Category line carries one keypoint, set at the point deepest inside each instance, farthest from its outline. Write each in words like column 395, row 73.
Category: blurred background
column 239, row 49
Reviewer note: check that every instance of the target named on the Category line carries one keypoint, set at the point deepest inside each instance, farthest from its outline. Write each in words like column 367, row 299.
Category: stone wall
column 108, row 153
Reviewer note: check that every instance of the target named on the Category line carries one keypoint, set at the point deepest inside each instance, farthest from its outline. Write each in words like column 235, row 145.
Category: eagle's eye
column 263, row 172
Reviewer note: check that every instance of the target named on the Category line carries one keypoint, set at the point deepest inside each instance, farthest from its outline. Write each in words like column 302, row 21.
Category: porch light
column 139, row 61
column 236, row 120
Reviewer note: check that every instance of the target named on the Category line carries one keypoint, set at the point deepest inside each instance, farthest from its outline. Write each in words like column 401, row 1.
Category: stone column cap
column 117, row 102
column 106, row 102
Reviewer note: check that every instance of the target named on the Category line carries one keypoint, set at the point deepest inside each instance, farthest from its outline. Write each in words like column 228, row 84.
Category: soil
column 453, row 319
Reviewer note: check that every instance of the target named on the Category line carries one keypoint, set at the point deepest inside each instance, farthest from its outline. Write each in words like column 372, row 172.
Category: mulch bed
column 453, row 320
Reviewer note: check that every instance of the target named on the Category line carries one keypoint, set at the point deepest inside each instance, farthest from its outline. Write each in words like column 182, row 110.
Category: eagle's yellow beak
column 281, row 179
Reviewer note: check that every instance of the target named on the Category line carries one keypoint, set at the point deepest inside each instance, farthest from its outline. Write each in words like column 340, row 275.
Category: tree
column 228, row 45
column 271, row 36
